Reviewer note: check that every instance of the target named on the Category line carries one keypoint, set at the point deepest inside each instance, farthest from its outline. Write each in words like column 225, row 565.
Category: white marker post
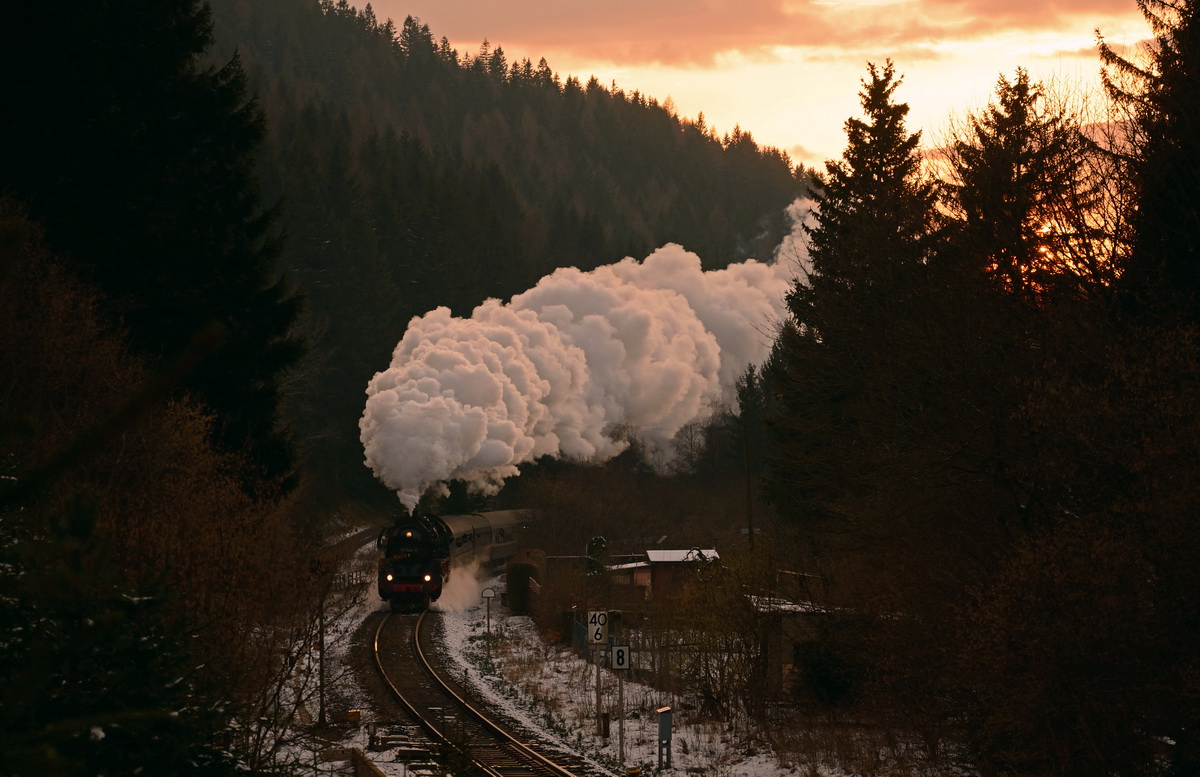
column 489, row 594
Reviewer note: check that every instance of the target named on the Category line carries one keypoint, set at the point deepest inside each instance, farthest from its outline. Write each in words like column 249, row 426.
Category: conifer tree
column 416, row 42
column 874, row 206
column 1162, row 94
column 874, row 233
column 876, row 420
column 1020, row 193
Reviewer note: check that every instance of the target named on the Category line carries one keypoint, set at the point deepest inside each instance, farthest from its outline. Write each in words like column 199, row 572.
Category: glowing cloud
column 638, row 345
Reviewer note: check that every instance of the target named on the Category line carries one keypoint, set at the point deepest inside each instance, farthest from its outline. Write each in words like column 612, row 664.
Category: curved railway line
column 402, row 650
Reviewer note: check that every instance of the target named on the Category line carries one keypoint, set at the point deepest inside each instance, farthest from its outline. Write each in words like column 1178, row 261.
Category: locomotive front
column 415, row 562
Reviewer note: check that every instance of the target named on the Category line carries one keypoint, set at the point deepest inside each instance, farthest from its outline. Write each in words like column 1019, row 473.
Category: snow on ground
column 551, row 689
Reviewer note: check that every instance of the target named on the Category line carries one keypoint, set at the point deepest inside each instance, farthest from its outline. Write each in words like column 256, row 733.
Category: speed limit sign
column 620, row 657
column 597, row 627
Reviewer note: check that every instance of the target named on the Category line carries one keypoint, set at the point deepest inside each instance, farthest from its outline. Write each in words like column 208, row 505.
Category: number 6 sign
column 597, row 627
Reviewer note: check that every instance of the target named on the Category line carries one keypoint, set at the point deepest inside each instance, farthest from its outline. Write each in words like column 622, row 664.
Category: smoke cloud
column 641, row 346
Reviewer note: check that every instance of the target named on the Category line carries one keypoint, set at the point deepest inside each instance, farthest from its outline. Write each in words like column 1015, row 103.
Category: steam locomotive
column 420, row 550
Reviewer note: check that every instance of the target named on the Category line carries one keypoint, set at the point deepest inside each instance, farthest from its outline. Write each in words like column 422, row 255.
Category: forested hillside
column 412, row 176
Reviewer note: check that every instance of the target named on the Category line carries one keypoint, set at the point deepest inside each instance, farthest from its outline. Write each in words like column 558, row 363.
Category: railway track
column 404, row 659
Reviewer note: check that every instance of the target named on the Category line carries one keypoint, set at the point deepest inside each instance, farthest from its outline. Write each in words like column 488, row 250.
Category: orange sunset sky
column 789, row 70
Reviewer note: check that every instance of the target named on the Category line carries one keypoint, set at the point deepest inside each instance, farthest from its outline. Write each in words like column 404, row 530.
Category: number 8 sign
column 597, row 627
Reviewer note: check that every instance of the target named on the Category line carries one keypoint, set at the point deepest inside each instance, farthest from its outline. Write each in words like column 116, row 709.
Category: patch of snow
column 547, row 688
column 552, row 690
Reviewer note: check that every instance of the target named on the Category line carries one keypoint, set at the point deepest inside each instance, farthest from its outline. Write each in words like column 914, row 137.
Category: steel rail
column 408, row 706
column 482, row 719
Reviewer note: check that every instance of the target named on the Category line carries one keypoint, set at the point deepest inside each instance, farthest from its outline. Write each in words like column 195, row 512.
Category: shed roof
column 679, row 556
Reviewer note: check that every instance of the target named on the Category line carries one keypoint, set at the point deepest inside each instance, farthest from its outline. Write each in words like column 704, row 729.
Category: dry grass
column 559, row 686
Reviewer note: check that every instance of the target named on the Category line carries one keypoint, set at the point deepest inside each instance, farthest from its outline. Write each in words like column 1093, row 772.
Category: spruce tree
column 1162, row 94
column 876, row 427
column 1021, row 195
column 1151, row 427
column 874, row 233
column 874, row 206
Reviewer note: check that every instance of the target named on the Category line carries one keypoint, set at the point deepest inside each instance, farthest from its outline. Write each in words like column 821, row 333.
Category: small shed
column 657, row 573
column 795, row 633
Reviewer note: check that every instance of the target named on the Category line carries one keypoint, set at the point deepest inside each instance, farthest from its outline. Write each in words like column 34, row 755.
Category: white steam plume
column 643, row 345
column 462, row 591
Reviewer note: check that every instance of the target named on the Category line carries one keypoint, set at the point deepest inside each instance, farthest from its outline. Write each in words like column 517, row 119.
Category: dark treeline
column 142, row 175
column 985, row 422
column 413, row 176
column 597, row 173
column 145, row 336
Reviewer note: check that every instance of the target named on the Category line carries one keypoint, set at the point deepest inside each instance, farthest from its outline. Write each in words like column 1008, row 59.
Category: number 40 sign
column 597, row 627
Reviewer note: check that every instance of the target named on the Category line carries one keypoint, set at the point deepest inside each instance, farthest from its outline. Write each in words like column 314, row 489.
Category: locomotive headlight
column 428, row 578
column 389, row 578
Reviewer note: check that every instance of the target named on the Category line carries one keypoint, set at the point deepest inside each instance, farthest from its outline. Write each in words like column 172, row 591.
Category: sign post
column 597, row 628
column 620, row 664
column 489, row 594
